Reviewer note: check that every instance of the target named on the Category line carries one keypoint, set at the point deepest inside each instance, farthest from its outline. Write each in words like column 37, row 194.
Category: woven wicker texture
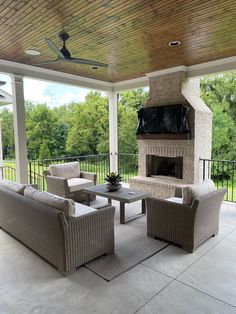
column 65, row 243
column 186, row 225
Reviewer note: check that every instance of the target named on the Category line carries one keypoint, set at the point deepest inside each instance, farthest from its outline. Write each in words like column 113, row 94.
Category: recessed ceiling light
column 94, row 67
column 174, row 43
column 32, row 52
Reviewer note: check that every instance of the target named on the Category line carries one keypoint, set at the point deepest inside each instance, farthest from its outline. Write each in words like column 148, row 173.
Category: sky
column 52, row 94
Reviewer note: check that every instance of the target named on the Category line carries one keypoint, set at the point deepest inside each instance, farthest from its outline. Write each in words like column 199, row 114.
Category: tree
column 134, row 98
column 219, row 93
column 8, row 142
column 130, row 102
column 40, row 125
column 89, row 131
column 44, row 151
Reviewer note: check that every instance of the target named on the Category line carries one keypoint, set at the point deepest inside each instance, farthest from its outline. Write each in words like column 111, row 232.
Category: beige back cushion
column 60, row 203
column 197, row 190
column 12, row 186
column 67, row 171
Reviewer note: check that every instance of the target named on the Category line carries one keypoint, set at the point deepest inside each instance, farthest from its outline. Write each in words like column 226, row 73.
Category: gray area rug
column 132, row 246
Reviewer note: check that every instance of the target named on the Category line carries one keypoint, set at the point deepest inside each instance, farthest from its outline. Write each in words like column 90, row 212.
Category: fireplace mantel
column 149, row 136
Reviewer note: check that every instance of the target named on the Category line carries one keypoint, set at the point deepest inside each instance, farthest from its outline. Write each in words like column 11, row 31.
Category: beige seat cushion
column 77, row 184
column 67, row 171
column 12, row 186
column 60, row 203
column 197, row 190
column 81, row 210
column 175, row 200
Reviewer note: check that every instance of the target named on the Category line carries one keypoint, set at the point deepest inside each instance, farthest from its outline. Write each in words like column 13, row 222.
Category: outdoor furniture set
column 65, row 233
column 69, row 234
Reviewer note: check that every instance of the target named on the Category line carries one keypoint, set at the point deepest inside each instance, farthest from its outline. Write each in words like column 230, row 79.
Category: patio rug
column 132, row 246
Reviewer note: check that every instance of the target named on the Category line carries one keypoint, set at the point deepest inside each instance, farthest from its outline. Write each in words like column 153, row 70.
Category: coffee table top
column 124, row 195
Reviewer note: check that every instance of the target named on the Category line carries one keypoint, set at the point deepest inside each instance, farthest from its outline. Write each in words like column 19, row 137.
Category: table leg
column 109, row 201
column 122, row 213
column 144, row 206
column 87, row 199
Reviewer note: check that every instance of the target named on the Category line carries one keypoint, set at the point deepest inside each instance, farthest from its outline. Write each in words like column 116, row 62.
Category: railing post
column 204, row 170
column 30, row 172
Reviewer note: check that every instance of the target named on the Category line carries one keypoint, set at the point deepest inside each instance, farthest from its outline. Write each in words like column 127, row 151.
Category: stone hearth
column 171, row 89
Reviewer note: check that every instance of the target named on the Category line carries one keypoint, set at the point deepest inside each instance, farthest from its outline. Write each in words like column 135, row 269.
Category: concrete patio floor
column 171, row 281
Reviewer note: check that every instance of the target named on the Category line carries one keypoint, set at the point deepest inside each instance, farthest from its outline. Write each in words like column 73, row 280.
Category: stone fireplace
column 165, row 160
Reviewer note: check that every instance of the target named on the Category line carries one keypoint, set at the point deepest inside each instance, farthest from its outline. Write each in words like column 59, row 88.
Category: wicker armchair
column 68, row 184
column 185, row 225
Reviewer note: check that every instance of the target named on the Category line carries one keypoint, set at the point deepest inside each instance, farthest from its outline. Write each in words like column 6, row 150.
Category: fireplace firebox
column 164, row 166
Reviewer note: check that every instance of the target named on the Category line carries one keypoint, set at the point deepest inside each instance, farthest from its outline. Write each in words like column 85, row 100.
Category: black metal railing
column 223, row 173
column 9, row 173
column 90, row 163
column 127, row 165
column 100, row 164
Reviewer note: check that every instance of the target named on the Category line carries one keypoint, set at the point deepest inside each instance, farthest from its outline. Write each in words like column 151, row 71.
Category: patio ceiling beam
column 198, row 70
column 26, row 70
column 217, row 66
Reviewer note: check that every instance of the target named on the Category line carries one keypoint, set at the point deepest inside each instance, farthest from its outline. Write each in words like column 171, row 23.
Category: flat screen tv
column 163, row 120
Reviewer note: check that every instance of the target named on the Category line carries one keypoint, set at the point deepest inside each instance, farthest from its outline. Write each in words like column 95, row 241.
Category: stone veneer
column 171, row 89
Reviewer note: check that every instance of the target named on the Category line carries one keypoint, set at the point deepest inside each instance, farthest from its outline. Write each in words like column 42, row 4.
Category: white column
column 1, row 154
column 113, row 131
column 19, row 128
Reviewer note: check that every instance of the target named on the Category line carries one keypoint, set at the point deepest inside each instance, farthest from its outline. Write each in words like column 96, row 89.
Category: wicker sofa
column 64, row 242
column 187, row 225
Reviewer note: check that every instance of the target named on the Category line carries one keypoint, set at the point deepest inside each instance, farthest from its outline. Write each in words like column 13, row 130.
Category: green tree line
column 81, row 129
column 74, row 129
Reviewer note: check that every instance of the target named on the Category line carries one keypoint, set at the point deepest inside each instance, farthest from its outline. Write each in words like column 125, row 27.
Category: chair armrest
column 57, row 185
column 89, row 176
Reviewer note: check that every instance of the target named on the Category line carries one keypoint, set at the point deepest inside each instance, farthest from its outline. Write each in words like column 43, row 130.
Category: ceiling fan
column 64, row 54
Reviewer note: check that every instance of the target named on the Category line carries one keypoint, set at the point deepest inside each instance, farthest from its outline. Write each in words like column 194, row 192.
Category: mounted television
column 163, row 120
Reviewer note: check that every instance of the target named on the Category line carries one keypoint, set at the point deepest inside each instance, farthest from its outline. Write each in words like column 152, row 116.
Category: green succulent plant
column 113, row 178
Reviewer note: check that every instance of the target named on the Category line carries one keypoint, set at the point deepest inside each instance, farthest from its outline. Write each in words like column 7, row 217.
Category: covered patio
column 167, row 46
column 171, row 281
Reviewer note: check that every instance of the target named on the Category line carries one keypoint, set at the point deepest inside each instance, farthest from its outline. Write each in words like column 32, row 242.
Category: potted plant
column 113, row 180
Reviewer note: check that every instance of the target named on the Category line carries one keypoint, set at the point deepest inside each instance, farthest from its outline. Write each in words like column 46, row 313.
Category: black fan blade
column 48, row 62
column 88, row 62
column 54, row 48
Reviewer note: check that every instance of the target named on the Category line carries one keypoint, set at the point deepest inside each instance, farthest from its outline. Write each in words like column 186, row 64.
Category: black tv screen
column 163, row 120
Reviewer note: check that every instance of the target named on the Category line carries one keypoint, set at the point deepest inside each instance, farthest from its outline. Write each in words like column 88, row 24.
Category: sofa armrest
column 90, row 236
column 57, row 185
column 89, row 176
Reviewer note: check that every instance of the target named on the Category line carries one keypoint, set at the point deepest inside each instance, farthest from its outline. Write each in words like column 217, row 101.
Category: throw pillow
column 12, row 186
column 197, row 190
column 67, row 171
column 60, row 203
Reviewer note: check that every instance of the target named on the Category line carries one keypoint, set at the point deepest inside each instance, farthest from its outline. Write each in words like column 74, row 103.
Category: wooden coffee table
column 125, row 195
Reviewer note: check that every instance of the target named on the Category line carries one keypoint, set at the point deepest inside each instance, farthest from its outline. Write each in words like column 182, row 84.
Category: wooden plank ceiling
column 132, row 36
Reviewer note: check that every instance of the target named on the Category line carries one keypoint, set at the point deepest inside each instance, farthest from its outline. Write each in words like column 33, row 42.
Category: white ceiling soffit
column 52, row 76
column 217, row 66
